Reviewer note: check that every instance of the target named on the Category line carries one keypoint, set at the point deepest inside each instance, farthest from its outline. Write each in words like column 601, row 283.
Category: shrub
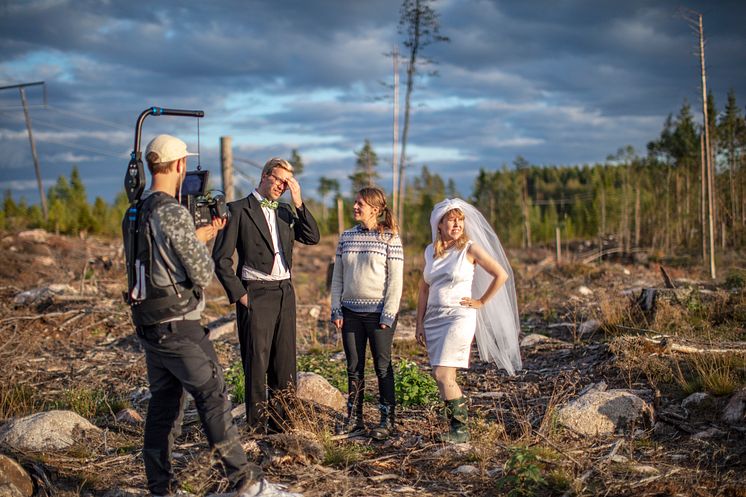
column 412, row 386
column 523, row 473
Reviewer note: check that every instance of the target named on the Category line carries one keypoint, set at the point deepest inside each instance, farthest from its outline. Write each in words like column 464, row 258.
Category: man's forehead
column 282, row 173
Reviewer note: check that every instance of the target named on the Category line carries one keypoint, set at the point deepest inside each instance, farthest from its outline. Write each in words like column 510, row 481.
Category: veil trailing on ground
column 497, row 320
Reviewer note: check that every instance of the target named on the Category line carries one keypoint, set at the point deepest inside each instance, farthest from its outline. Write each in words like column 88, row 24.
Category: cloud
column 560, row 83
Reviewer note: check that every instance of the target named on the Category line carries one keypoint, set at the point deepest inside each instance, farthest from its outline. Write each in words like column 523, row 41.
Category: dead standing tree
column 695, row 21
column 419, row 22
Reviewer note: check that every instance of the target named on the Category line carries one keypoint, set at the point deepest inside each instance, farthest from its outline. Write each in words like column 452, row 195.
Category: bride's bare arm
column 479, row 256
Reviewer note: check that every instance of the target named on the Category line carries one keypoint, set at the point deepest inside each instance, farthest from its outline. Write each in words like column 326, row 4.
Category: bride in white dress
column 465, row 260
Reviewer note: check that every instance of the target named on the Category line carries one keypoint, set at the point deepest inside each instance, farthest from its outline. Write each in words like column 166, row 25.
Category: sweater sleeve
column 178, row 227
column 394, row 280
column 337, row 282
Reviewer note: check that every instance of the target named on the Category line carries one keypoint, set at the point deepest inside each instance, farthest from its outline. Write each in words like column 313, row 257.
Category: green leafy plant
column 412, row 386
column 523, row 473
column 236, row 381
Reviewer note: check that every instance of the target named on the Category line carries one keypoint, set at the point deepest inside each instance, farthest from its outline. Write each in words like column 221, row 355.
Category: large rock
column 37, row 235
column 735, row 411
column 14, row 480
column 600, row 412
column 52, row 430
column 315, row 388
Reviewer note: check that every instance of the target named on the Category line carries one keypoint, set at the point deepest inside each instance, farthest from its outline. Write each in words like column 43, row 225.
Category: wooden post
column 637, row 215
column 558, row 243
column 526, row 218
column 226, row 167
column 37, row 170
column 340, row 215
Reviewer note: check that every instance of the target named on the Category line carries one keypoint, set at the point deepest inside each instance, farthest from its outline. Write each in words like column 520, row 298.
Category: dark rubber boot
column 458, row 416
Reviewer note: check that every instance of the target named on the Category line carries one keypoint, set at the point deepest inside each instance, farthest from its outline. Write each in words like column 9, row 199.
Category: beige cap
column 168, row 148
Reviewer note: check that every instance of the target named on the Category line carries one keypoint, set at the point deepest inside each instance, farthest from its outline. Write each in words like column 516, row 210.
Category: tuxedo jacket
column 247, row 232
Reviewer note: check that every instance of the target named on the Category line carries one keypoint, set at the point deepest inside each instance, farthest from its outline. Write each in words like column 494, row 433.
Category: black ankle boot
column 354, row 421
column 386, row 428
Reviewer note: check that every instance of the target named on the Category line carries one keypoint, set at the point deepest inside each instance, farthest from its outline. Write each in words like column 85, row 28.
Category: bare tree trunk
column 708, row 152
column 637, row 214
column 703, row 197
column 413, row 52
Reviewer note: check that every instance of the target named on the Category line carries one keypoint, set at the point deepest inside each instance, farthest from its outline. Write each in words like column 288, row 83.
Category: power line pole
column 394, row 155
column 37, row 170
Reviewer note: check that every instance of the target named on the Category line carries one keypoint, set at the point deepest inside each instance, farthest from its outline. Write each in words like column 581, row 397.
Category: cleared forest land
column 586, row 328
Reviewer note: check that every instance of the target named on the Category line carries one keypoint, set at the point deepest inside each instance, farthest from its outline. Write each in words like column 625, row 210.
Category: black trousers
column 180, row 356
column 266, row 332
column 358, row 329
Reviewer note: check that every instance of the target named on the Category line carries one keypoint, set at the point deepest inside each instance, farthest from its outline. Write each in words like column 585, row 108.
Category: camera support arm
column 134, row 181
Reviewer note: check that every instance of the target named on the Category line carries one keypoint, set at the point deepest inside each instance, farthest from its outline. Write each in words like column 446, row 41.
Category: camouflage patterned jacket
column 178, row 249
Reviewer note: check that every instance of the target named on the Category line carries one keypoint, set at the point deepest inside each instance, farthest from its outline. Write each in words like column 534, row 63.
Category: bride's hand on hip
column 472, row 303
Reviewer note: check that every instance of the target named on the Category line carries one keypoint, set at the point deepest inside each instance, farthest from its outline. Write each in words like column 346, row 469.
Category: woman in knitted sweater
column 366, row 290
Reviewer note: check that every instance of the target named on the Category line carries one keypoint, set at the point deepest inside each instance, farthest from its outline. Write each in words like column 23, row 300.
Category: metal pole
column 226, row 167
column 37, row 170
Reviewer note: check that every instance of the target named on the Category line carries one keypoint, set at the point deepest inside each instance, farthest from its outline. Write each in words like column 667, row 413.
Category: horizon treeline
column 652, row 200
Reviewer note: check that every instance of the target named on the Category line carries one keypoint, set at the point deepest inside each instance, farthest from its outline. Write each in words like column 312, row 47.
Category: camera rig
column 202, row 206
column 195, row 197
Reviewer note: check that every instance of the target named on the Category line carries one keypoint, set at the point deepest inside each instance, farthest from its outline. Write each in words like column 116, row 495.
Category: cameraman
column 171, row 267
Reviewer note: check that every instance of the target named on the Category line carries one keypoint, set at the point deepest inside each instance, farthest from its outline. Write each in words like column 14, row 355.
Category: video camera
column 202, row 205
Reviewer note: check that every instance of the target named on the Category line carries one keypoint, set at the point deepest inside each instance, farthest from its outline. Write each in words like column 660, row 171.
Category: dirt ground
column 79, row 352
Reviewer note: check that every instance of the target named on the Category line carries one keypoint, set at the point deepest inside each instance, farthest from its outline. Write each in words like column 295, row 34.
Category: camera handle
column 134, row 179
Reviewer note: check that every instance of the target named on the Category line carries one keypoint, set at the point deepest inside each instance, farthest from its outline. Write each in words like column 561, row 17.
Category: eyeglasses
column 277, row 179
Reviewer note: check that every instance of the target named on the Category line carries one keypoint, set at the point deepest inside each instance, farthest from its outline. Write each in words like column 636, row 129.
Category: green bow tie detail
column 271, row 204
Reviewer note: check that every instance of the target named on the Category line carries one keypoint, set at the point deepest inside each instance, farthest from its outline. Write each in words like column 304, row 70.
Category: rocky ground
column 614, row 398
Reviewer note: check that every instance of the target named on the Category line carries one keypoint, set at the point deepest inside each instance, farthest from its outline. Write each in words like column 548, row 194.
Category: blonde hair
column 274, row 162
column 375, row 197
column 439, row 247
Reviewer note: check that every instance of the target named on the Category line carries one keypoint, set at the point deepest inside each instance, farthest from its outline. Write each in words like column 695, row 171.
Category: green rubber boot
column 458, row 416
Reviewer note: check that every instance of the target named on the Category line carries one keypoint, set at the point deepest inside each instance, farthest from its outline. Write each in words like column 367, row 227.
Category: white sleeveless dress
column 449, row 326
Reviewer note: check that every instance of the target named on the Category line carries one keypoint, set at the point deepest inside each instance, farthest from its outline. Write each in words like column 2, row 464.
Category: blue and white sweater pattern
column 368, row 273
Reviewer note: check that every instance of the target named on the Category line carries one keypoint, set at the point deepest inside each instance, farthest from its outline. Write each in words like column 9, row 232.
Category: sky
column 557, row 82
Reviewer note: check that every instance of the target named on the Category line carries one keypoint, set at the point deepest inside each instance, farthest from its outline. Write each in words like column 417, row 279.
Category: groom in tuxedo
column 262, row 231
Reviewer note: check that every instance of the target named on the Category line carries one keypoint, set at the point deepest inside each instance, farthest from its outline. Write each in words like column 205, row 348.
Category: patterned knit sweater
column 368, row 273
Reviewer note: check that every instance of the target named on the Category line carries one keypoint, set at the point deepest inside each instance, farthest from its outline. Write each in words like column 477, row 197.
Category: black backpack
column 150, row 303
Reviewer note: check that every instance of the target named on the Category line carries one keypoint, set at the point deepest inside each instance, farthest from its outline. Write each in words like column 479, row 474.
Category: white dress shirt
column 279, row 268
